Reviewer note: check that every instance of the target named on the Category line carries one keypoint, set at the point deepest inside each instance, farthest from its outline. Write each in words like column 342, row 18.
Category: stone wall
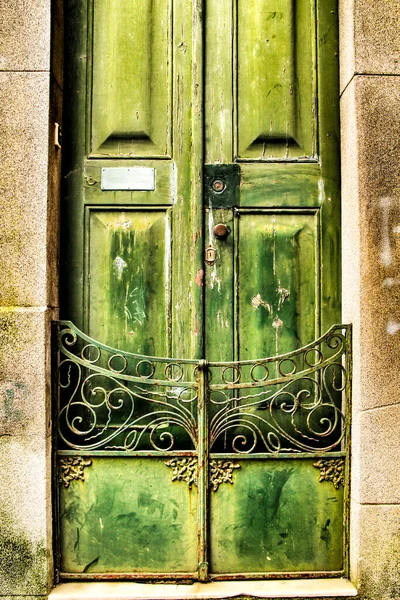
column 28, row 293
column 370, row 113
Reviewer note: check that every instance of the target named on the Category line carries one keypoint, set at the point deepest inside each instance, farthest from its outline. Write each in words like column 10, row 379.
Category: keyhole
column 218, row 185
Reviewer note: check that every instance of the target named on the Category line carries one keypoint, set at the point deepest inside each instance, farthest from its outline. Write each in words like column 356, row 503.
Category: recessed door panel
column 127, row 517
column 129, row 278
column 276, row 517
column 131, row 95
column 276, row 79
column 278, row 282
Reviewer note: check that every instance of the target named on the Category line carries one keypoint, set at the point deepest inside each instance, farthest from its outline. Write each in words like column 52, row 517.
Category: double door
column 201, row 221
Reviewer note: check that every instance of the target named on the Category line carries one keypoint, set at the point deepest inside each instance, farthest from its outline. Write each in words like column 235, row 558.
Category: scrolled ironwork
column 109, row 399
column 297, row 403
column 106, row 402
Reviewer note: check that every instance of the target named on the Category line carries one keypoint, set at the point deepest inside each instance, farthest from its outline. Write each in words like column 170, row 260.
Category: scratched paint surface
column 122, row 109
column 277, row 517
column 129, row 279
column 128, row 517
column 278, row 277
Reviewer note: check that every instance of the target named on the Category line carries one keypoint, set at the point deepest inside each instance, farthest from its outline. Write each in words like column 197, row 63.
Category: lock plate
column 221, row 185
column 210, row 255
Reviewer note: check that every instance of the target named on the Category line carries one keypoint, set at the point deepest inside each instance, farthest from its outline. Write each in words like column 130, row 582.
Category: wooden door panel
column 132, row 79
column 164, row 179
column 220, row 289
column 284, row 185
column 276, row 79
column 129, row 278
column 278, row 276
column 119, row 82
column 219, row 103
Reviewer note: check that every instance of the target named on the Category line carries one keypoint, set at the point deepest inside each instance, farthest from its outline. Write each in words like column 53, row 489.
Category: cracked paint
column 283, row 294
column 199, row 277
column 258, row 301
column 120, row 265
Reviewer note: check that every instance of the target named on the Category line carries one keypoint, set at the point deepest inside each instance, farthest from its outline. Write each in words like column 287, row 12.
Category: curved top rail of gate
column 110, row 399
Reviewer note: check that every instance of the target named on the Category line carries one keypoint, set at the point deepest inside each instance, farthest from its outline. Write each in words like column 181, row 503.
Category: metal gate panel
column 170, row 468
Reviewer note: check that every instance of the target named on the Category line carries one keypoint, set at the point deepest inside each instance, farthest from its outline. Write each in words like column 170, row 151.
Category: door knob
column 221, row 231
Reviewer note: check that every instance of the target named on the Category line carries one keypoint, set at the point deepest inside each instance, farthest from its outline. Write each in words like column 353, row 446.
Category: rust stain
column 196, row 326
column 199, row 277
column 196, row 236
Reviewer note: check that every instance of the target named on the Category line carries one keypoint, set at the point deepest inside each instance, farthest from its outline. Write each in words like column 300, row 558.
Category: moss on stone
column 23, row 565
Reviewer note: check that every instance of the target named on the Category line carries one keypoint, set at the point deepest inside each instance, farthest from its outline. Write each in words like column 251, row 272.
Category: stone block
column 369, row 34
column 24, row 135
column 216, row 590
column 25, row 544
column 25, row 35
column 371, row 209
column 25, row 457
column 376, row 565
column 377, row 473
column 351, row 250
column 346, row 42
column 24, row 373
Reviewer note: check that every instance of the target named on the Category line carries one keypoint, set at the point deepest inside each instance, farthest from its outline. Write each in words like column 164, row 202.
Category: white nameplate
column 129, row 178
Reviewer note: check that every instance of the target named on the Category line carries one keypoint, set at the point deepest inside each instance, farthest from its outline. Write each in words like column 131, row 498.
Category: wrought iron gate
column 206, row 429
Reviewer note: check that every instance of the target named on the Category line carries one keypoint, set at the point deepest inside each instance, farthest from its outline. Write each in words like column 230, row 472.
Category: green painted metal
column 126, row 516
column 203, row 471
column 276, row 517
column 246, row 93
column 130, row 427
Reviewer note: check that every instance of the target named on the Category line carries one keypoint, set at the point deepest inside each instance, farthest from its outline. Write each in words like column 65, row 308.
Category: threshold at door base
column 292, row 588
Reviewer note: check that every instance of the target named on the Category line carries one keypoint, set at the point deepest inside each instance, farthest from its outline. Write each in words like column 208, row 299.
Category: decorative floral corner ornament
column 184, row 469
column 331, row 470
column 221, row 471
column 71, row 469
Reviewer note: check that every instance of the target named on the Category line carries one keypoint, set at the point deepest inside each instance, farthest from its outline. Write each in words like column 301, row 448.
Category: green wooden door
column 180, row 117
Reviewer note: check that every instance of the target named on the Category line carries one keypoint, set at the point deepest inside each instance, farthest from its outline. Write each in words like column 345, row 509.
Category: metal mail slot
column 128, row 178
